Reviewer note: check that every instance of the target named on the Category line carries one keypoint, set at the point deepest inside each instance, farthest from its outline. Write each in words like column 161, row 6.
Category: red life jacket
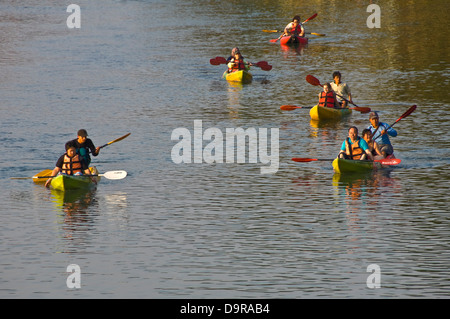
column 326, row 100
column 355, row 151
column 297, row 30
column 238, row 65
column 72, row 165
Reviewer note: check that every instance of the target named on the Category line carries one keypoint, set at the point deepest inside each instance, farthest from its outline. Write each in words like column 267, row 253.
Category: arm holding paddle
column 294, row 25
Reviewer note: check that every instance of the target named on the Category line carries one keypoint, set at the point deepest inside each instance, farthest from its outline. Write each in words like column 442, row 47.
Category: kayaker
column 327, row 98
column 70, row 163
column 354, row 147
column 84, row 145
column 373, row 146
column 381, row 132
column 341, row 89
column 294, row 27
column 236, row 61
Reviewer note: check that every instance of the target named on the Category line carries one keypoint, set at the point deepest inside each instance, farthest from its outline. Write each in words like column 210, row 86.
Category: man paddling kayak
column 70, row 163
column 83, row 145
column 341, row 89
column 381, row 132
column 354, row 147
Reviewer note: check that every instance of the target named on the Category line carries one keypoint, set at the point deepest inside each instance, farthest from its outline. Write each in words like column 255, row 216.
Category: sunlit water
column 221, row 230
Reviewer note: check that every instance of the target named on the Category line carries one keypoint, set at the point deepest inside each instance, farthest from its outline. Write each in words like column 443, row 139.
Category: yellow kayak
column 63, row 182
column 241, row 76
column 70, row 182
column 356, row 166
column 328, row 113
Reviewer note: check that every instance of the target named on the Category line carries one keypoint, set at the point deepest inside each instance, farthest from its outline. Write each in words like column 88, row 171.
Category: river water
column 222, row 230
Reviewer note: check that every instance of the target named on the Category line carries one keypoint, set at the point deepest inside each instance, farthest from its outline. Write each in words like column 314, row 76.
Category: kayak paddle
column 313, row 33
column 107, row 175
column 116, row 140
column 264, row 65
column 293, row 107
column 408, row 112
column 384, row 161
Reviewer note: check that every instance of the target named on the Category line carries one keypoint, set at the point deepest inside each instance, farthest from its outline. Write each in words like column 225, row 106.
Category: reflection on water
column 75, row 215
column 294, row 49
column 363, row 196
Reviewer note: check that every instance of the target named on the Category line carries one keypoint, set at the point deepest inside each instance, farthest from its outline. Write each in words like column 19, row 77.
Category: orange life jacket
column 238, row 65
column 326, row 99
column 355, row 151
column 72, row 165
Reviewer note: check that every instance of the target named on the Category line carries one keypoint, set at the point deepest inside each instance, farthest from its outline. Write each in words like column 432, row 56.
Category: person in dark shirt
column 84, row 146
column 70, row 163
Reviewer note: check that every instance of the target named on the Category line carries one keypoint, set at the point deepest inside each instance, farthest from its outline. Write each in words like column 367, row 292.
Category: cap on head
column 82, row 133
column 373, row 115
column 235, row 51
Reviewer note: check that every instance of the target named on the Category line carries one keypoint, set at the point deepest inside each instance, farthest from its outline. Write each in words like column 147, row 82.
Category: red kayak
column 293, row 39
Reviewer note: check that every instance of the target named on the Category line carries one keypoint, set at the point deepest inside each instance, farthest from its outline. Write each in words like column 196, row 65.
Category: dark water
column 221, row 230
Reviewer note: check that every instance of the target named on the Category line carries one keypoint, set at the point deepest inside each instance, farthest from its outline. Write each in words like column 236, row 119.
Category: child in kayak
column 373, row 146
column 70, row 163
column 327, row 98
column 236, row 61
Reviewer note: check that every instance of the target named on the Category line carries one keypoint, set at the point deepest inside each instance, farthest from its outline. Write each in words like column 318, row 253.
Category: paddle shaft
column 293, row 107
column 408, row 112
column 107, row 175
column 116, row 140
column 384, row 161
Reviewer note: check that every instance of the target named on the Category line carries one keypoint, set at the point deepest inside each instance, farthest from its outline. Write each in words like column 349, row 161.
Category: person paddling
column 294, row 28
column 83, row 146
column 341, row 89
column 354, row 147
column 381, row 132
column 70, row 163
column 236, row 61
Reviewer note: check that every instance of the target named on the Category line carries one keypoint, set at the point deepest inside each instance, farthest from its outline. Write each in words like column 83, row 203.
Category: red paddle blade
column 300, row 159
column 274, row 40
column 214, row 62
column 221, row 60
column 389, row 161
column 312, row 17
column 312, row 80
column 361, row 109
column 261, row 63
column 410, row 110
column 289, row 107
column 266, row 67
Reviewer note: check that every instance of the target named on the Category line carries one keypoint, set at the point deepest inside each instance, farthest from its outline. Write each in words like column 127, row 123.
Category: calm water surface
column 221, row 230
